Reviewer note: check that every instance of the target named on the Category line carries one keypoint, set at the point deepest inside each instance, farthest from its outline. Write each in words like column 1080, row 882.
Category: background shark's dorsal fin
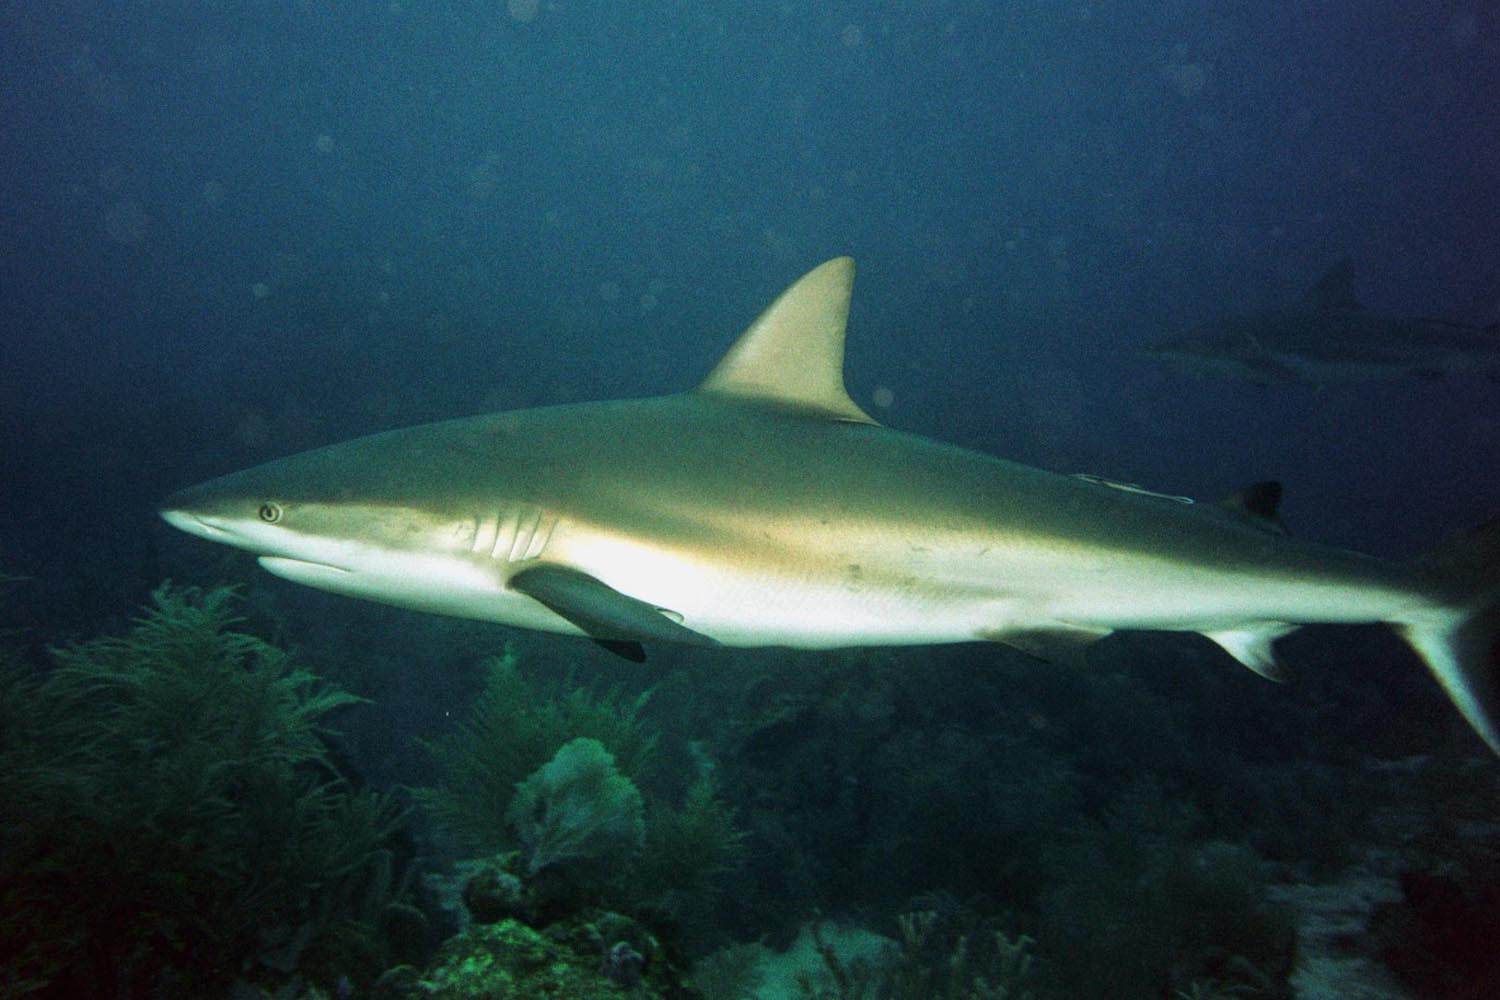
column 794, row 351
column 1260, row 504
column 1335, row 290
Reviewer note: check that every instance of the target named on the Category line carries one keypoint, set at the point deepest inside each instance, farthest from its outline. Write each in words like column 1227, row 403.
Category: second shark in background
column 1327, row 336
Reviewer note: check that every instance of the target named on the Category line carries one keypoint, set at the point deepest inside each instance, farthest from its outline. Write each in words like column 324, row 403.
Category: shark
column 764, row 507
column 1328, row 336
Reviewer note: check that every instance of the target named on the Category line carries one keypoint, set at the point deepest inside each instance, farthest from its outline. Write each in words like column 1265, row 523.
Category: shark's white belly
column 893, row 593
column 919, row 600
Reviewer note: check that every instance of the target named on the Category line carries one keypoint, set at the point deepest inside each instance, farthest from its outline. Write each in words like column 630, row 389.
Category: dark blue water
column 232, row 231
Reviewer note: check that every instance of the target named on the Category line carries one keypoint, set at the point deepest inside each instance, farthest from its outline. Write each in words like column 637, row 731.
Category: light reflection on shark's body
column 765, row 507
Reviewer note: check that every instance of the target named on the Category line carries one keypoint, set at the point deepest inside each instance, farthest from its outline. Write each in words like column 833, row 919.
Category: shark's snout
column 183, row 520
column 199, row 510
column 180, row 502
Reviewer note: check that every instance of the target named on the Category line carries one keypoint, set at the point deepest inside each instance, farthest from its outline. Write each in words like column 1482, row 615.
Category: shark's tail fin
column 1462, row 645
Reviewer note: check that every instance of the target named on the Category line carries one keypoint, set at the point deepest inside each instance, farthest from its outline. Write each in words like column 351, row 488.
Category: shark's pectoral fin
column 1063, row 644
column 616, row 621
column 632, row 651
column 1252, row 644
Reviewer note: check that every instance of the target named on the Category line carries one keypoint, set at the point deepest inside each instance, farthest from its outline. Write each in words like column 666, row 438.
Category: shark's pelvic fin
column 1335, row 290
column 793, row 354
column 616, row 621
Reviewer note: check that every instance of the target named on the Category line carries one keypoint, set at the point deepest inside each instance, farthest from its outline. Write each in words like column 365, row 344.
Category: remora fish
column 766, row 508
column 1328, row 336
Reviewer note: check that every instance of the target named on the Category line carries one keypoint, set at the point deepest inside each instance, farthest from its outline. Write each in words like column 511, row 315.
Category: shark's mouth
column 302, row 571
column 195, row 525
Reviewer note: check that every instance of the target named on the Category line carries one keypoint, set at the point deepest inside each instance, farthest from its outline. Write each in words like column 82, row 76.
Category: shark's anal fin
column 1064, row 644
column 616, row 621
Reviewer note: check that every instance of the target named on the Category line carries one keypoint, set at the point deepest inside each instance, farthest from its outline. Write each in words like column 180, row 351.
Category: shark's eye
column 270, row 513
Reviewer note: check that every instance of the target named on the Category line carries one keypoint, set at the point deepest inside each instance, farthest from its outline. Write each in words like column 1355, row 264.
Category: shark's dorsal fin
column 793, row 353
column 1335, row 290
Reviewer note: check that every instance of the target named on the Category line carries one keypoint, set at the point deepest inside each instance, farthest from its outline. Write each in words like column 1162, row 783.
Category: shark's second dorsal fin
column 1335, row 290
column 793, row 353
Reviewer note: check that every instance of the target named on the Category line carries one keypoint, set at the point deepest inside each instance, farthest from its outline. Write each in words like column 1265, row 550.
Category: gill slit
column 484, row 534
column 507, row 523
column 517, row 534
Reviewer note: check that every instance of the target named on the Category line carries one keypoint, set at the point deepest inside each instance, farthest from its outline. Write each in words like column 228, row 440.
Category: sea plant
column 690, row 850
column 934, row 959
column 515, row 727
column 577, row 810
column 167, row 801
column 1146, row 901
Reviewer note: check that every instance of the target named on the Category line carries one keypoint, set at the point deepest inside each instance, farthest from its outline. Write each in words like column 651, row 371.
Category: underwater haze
column 234, row 231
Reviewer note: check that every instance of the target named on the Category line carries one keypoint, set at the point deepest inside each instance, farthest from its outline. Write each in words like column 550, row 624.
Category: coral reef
column 1443, row 938
column 862, row 786
column 730, row 973
column 583, row 960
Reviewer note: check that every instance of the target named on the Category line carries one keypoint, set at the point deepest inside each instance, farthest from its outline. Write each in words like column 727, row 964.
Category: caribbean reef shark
column 1328, row 336
column 765, row 507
